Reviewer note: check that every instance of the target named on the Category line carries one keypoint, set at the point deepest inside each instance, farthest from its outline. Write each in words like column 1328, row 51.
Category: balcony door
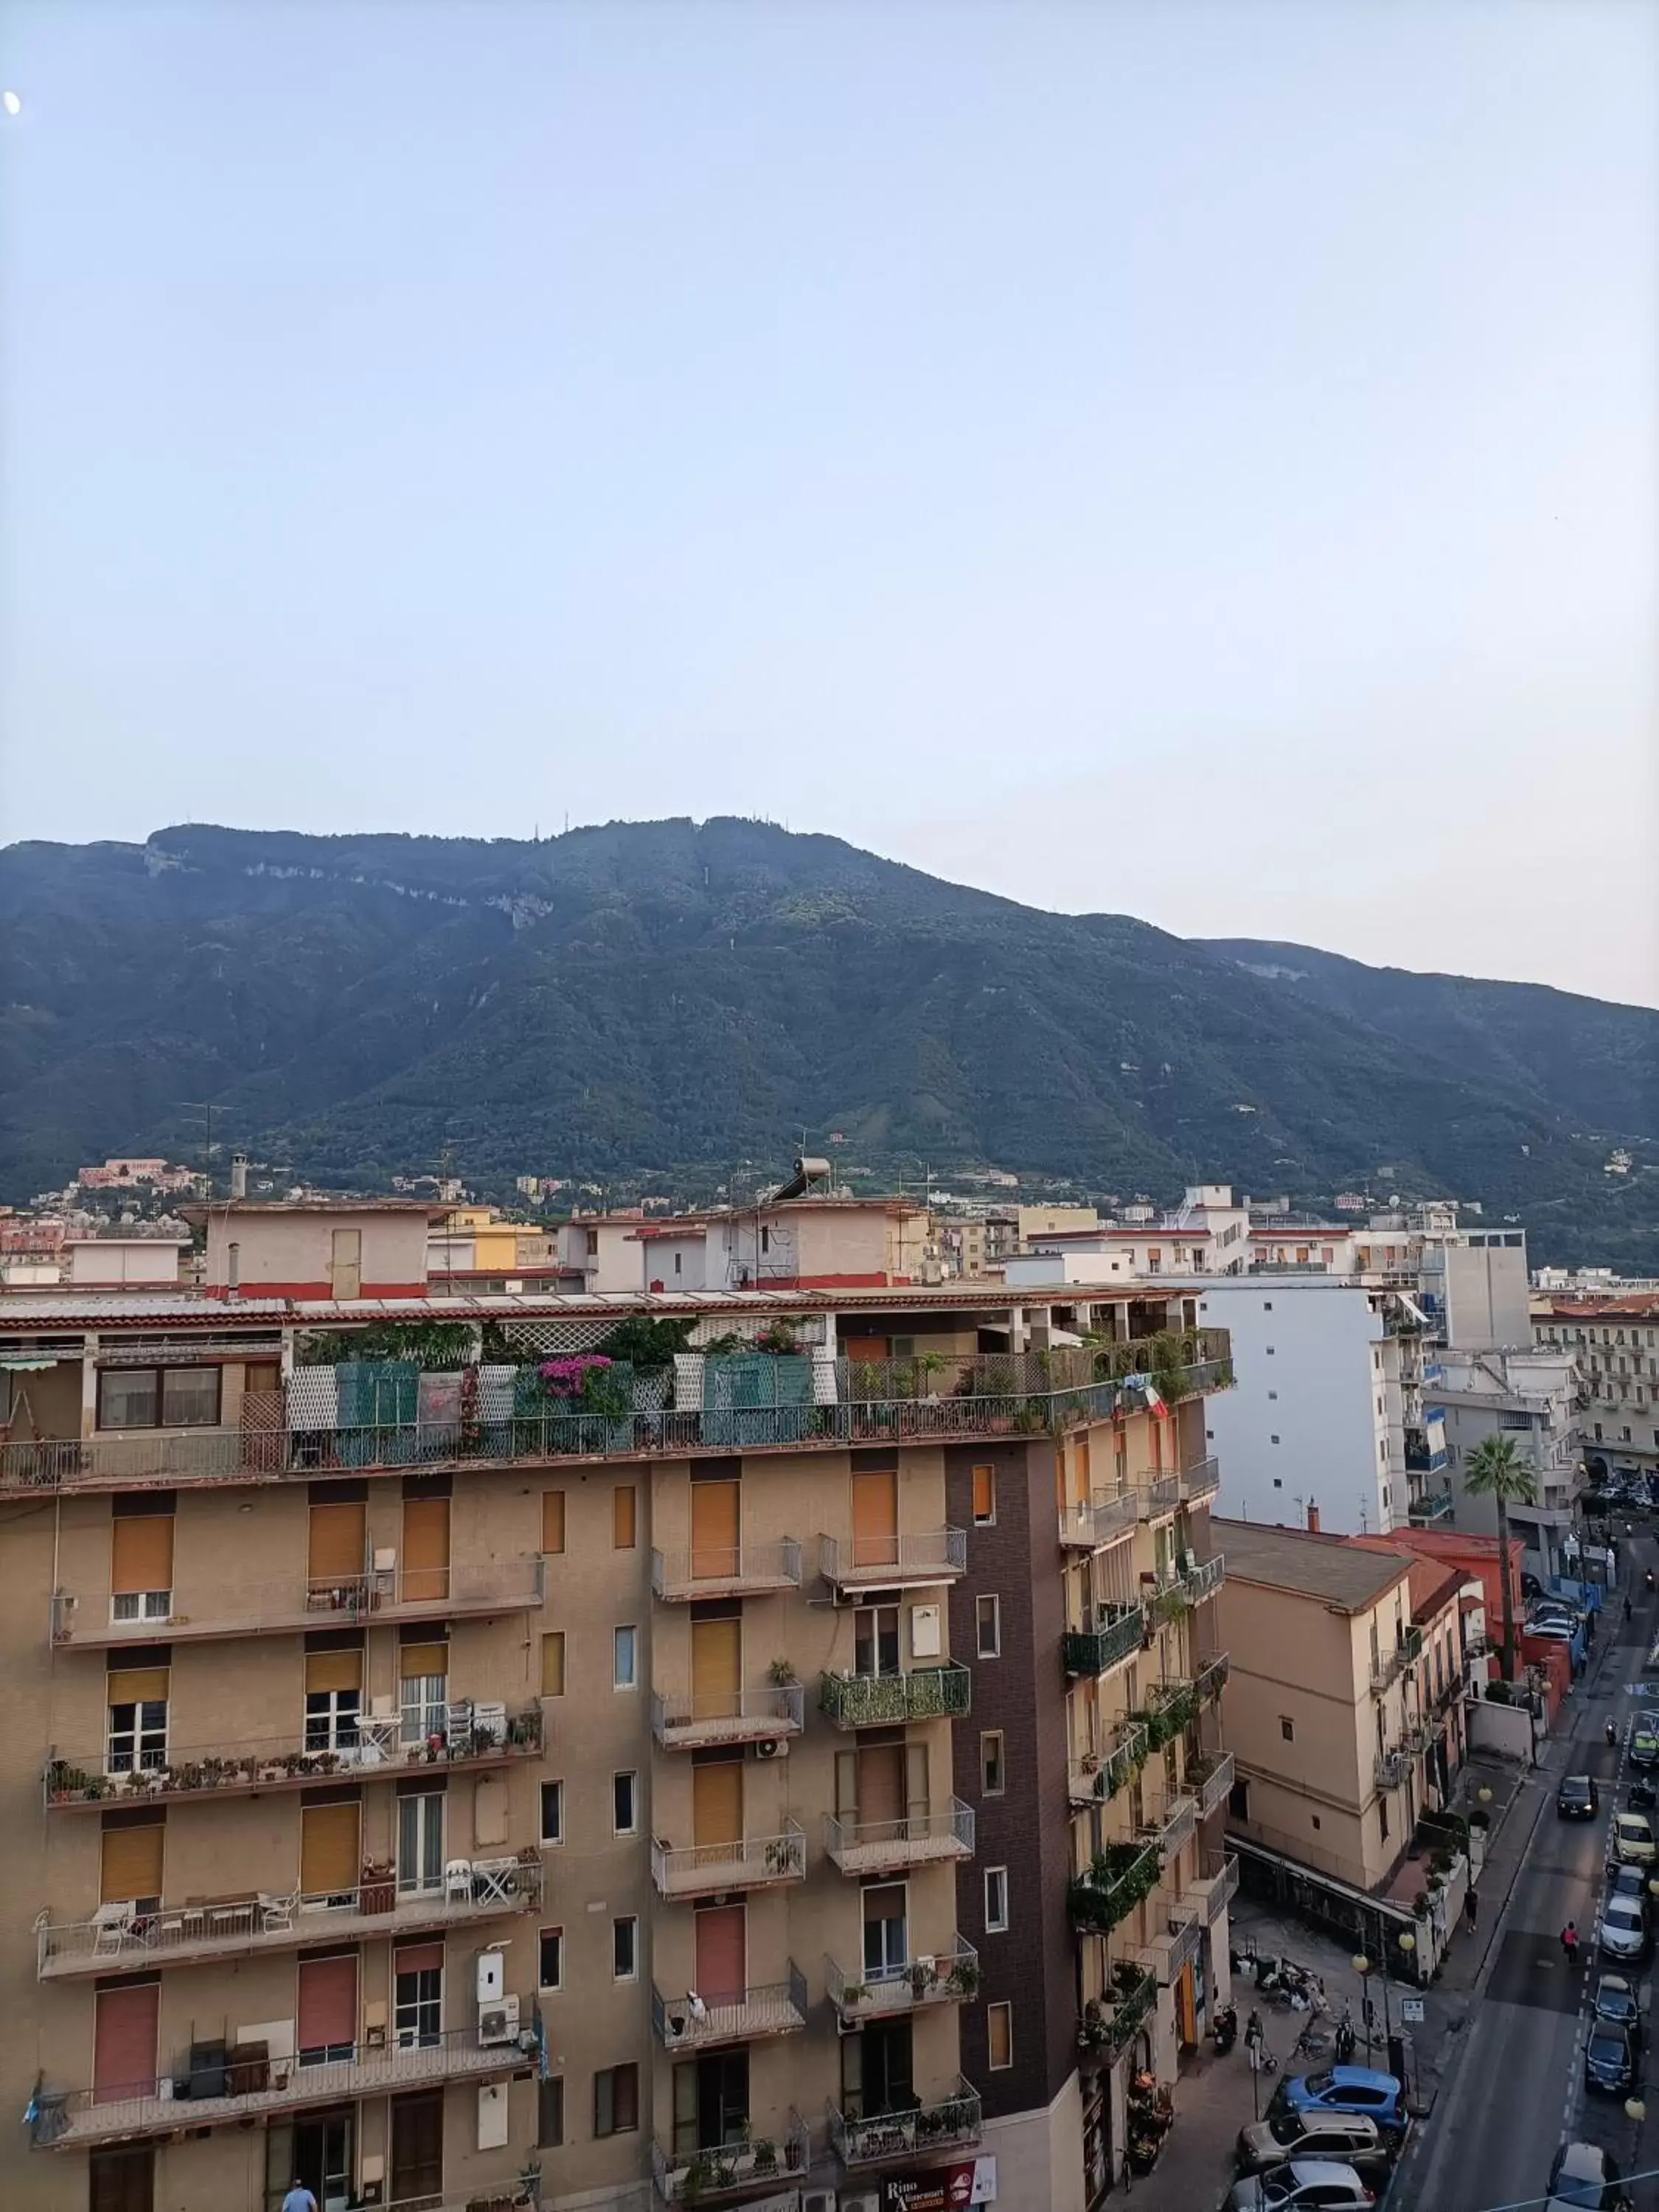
column 327, row 2011
column 876, row 1640
column 722, row 1953
column 717, row 1805
column 875, row 1519
column 711, row 2102
column 417, row 2146
column 420, row 1844
column 886, row 1929
column 877, row 2072
column 123, row 2041
column 418, row 2001
column 425, row 1578
column 881, row 1790
column 716, row 1521
column 716, row 1667
column 317, row 2153
column 122, row 2180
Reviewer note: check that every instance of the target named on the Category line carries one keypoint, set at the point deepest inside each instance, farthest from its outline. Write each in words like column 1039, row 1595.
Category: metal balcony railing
column 704, row 2175
column 924, row 1556
column 749, row 1862
column 949, row 2122
column 121, row 1942
column 1158, row 1498
column 1212, row 1779
column 869, row 1847
column 687, row 1720
column 1111, row 2021
column 1391, row 1769
column 950, row 1977
column 710, row 1570
column 90, row 1618
column 1105, row 1517
column 1201, row 1482
column 1179, row 1942
column 694, row 2022
column 1119, row 1631
column 1101, row 1775
column 1217, row 1887
column 1203, row 1580
column 926, row 1693
column 1174, row 1825
column 1096, row 1904
column 472, row 1734
column 743, row 1403
column 116, row 2111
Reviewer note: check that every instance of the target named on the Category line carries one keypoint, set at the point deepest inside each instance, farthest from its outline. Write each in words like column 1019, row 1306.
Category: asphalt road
column 1515, row 2090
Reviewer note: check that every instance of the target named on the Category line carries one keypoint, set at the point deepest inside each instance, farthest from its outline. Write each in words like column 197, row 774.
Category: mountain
column 678, row 997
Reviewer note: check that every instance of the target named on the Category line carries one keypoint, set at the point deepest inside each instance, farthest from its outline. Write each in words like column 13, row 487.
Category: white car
column 1306, row 2184
column 1584, row 2178
column 1622, row 1931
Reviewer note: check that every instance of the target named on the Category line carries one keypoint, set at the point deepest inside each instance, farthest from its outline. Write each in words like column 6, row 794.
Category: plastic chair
column 458, row 1880
column 112, row 1926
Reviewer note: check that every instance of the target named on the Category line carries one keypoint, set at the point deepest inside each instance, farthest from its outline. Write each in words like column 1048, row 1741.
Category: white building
column 1535, row 1397
column 1613, row 1337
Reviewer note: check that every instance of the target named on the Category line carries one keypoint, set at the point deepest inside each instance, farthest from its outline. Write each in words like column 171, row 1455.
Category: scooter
column 1643, row 1796
column 1224, row 2034
column 1612, row 1734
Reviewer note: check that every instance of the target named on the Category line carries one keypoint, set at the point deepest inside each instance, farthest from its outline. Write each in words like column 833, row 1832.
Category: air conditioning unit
column 819, row 2200
column 498, row 2023
column 774, row 1746
column 866, row 2201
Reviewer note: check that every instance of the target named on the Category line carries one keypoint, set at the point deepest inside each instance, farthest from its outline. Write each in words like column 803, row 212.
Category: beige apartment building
column 460, row 1770
column 1344, row 1704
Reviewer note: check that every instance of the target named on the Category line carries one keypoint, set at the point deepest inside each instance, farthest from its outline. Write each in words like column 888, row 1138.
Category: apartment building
column 1614, row 1341
column 500, row 1775
column 1343, row 1700
column 1534, row 1398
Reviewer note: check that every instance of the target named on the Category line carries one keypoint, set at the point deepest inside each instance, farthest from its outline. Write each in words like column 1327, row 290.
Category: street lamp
column 1362, row 1966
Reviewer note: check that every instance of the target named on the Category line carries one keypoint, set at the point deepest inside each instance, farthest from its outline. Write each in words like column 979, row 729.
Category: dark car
column 1610, row 2059
column 1616, row 2005
column 1577, row 1799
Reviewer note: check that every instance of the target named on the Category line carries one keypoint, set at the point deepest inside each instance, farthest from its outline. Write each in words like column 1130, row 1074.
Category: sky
column 1195, row 461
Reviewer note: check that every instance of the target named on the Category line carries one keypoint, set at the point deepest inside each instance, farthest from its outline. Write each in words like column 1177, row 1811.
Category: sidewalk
column 1213, row 2098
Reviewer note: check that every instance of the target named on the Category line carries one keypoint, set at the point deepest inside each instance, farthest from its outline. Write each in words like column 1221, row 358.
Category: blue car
column 1381, row 2097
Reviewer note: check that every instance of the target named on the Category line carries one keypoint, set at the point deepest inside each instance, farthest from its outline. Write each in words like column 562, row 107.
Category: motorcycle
column 1643, row 1796
column 1612, row 1734
column 1225, row 2032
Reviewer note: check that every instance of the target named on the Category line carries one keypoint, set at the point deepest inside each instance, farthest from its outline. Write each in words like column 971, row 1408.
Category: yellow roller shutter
column 624, row 1513
column 553, row 1664
column 131, row 1862
column 141, row 1553
column 552, row 1520
column 337, row 1537
column 334, row 1670
column 329, row 1856
column 136, row 1685
column 426, row 1549
column 417, row 1659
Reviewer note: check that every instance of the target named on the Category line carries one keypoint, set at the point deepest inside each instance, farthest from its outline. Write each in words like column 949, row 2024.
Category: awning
column 1413, row 1310
column 25, row 1366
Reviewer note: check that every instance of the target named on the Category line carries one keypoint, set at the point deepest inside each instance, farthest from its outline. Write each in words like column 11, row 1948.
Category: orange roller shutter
column 715, row 1511
column 552, row 1520
column 984, row 1493
column 141, row 1553
column 426, row 1549
column 132, row 1865
column 875, row 1520
column 329, row 1858
column 136, row 1685
column 553, row 1663
column 722, row 1953
column 338, row 1540
column 123, row 2043
column 415, row 1660
column 334, row 1670
column 623, row 1517
column 328, row 2003
column 419, row 1959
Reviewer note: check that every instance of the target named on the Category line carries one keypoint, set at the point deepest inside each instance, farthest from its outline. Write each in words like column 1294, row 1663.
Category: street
column 1513, row 2089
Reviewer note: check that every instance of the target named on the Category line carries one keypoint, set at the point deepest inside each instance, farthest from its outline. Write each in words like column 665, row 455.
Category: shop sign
column 944, row 2189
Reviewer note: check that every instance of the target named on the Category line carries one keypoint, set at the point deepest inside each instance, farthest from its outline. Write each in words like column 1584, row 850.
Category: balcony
column 1201, row 1483
column 78, row 2118
column 199, row 1935
column 918, row 1561
column 875, row 1847
column 1099, row 1776
column 1198, row 1582
column 476, row 1736
column 731, row 2170
column 1217, row 1887
column 1111, row 2021
column 926, row 1693
column 1119, row 1879
column 750, row 1571
column 1120, row 1630
column 1173, row 1825
column 1105, row 1519
column 1428, row 1512
column 1392, row 1665
column 691, row 2023
column 745, row 1403
column 709, row 1869
column 395, row 1595
column 1159, row 1498
column 944, row 1978
column 1212, row 1779
column 1174, row 1945
column 1392, row 1768
column 1426, row 1446
column 952, row 2123
column 1175, row 1705
column 684, row 1721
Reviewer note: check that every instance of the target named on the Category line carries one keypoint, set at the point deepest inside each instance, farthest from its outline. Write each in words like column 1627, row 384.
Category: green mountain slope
column 672, row 995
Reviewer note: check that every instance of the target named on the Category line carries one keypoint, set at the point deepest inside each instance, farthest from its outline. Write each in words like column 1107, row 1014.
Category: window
column 1266, row 1305
column 331, row 1719
column 552, row 1812
column 876, row 1640
column 996, row 1900
column 1270, row 1352
column 420, row 1844
column 424, row 1668
column 623, row 1517
column 418, row 2001
column 985, row 1497
column 138, row 1736
column 552, row 1520
column 158, row 1397
column 1382, row 1819
column 625, row 1948
column 1272, row 1440
column 549, row 2112
column 993, row 1775
column 987, row 1621
column 553, row 1663
column 1288, row 1728
column 624, row 1674
column 624, row 1813
column 549, row 1973
column 617, row 2101
column 998, row 2036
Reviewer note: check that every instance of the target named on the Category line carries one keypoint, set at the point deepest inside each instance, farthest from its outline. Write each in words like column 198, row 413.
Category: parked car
column 1349, row 2138
column 1381, row 2097
column 1551, row 1631
column 1305, row 2182
column 1622, row 1930
column 1584, row 2178
column 1577, row 1798
column 1644, row 1745
column 1629, row 1881
column 1610, row 2059
column 1615, row 2003
column 1632, row 1839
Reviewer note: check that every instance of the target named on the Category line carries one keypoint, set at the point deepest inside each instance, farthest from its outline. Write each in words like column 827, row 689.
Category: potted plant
column 781, row 1675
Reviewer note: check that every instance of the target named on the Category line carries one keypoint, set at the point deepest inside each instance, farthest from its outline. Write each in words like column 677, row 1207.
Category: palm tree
column 1495, row 1469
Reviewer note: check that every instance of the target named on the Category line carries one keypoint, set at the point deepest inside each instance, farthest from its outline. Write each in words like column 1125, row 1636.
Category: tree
column 1495, row 1469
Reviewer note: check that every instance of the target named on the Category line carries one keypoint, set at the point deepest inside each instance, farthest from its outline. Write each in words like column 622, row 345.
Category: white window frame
column 140, row 1605
column 631, row 1680
column 990, row 1598
column 631, row 1922
column 424, row 1707
column 632, row 1777
column 142, row 1748
column 996, row 1919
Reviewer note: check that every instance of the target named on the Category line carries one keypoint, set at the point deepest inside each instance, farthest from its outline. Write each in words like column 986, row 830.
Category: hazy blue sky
column 1192, row 461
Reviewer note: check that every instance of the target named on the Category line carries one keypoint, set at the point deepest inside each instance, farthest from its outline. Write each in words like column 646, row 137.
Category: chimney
column 238, row 1174
column 1313, row 1518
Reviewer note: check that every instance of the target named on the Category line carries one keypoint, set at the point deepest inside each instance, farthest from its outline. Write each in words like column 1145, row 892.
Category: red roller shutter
column 722, row 1950
column 123, row 2043
column 328, row 2003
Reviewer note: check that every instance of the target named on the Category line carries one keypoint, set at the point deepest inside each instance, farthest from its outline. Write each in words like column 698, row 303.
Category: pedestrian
column 299, row 2198
column 1471, row 1905
column 1627, row 1608
column 1570, row 1944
